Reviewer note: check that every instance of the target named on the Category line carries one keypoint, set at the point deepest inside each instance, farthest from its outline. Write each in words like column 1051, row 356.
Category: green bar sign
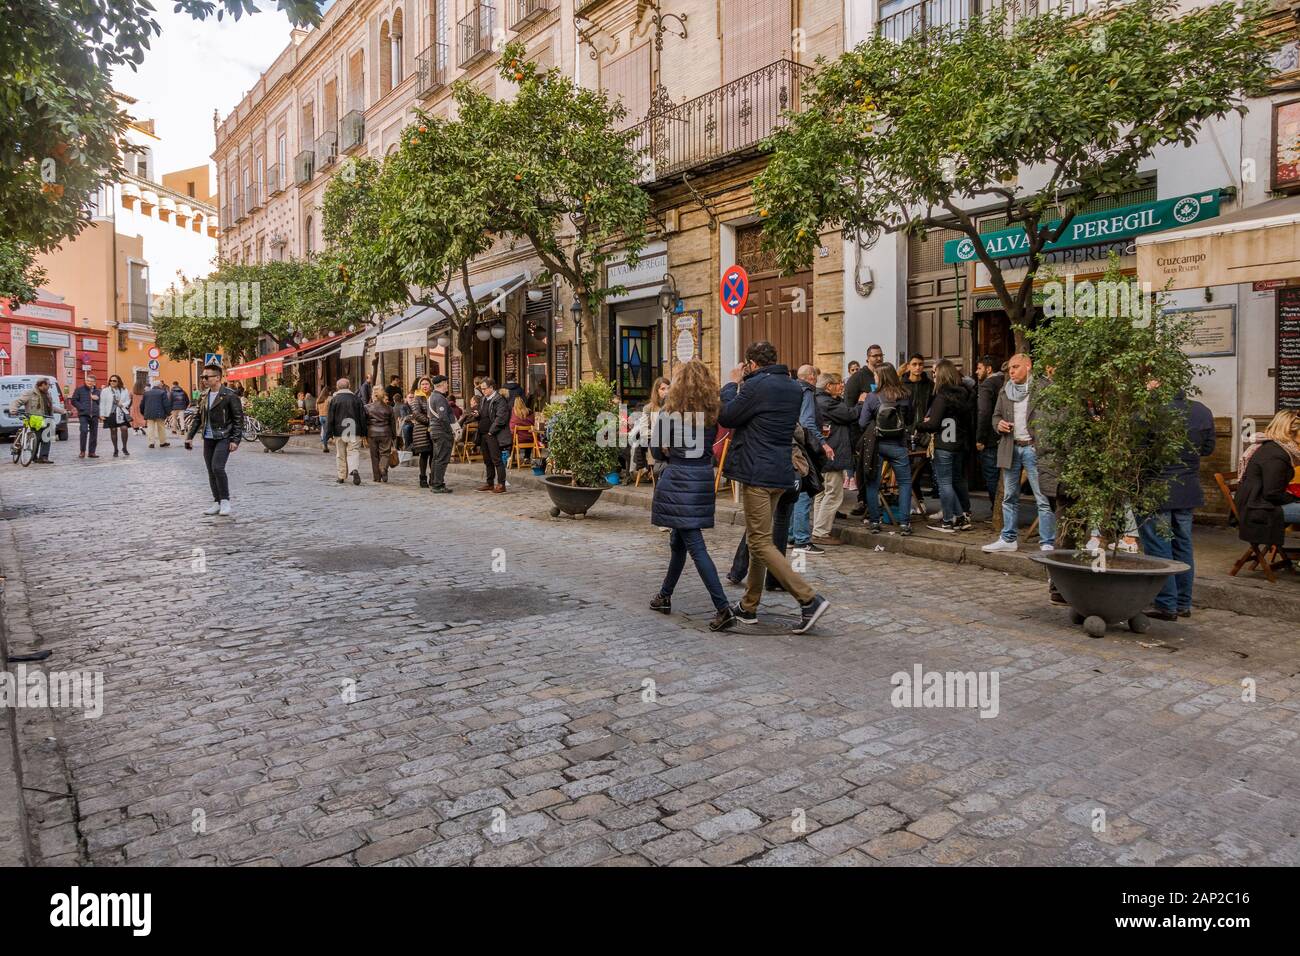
column 1095, row 227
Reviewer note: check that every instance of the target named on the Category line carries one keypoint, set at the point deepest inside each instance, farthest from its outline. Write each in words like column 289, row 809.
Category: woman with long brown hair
column 682, row 435
column 886, row 421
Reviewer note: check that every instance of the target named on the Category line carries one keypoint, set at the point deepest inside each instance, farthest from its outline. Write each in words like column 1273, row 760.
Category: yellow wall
column 198, row 175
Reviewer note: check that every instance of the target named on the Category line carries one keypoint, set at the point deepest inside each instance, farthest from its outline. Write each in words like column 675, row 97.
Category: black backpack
column 891, row 425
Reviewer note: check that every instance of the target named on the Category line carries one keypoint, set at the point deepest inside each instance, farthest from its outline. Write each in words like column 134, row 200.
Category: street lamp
column 498, row 331
column 668, row 293
column 482, row 334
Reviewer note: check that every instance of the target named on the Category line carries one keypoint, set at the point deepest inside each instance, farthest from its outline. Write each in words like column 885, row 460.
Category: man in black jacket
column 179, row 402
column 156, row 406
column 838, row 421
column 859, row 384
column 991, row 380
column 440, row 434
column 221, row 419
column 86, row 401
column 493, row 435
column 761, row 405
column 1184, row 494
column 347, row 425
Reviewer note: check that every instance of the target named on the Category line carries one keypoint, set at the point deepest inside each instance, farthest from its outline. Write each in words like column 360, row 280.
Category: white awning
column 412, row 332
column 355, row 347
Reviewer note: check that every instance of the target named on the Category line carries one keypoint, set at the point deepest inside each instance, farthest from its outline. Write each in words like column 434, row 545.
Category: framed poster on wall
column 686, row 334
column 1215, row 330
column 1284, row 165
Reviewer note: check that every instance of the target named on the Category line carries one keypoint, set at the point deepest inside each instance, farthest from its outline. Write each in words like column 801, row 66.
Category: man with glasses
column 856, row 386
column 221, row 419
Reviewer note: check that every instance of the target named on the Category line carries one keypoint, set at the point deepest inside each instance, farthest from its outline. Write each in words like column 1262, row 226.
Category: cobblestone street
column 380, row 676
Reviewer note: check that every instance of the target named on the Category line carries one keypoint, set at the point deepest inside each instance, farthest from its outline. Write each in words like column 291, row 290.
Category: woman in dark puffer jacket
column 682, row 435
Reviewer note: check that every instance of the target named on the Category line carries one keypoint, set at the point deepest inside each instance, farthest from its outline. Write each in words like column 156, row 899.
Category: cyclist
column 33, row 404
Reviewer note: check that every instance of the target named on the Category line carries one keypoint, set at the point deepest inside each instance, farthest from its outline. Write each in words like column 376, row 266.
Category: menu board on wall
column 562, row 366
column 512, row 365
column 455, row 374
column 1288, row 348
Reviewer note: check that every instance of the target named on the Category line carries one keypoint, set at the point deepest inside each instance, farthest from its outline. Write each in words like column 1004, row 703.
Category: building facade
column 143, row 234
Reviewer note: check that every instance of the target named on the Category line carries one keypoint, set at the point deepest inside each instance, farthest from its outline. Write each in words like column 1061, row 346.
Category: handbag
column 393, row 458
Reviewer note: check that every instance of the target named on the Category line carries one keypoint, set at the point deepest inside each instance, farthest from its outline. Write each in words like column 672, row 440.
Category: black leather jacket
column 226, row 414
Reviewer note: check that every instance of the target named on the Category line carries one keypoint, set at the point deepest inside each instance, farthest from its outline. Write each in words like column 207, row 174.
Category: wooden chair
column 718, row 479
column 468, row 448
column 650, row 472
column 1268, row 560
column 523, row 438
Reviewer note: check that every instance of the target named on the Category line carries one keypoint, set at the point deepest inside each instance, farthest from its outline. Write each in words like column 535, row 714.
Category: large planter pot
column 569, row 498
column 272, row 442
column 1101, row 598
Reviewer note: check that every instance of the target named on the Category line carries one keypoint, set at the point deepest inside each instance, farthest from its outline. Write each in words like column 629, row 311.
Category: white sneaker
column 215, row 509
column 1001, row 544
column 225, row 508
column 1127, row 546
column 1047, row 547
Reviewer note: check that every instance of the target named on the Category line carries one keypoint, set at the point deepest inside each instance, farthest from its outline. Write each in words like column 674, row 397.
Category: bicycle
column 24, row 449
column 252, row 428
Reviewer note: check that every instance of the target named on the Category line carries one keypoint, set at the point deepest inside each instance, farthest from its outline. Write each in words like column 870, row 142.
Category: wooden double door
column 780, row 310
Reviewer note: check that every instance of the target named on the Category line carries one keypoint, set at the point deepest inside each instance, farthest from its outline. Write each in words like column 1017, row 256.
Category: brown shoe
column 832, row 542
column 499, row 490
column 82, row 455
column 485, row 488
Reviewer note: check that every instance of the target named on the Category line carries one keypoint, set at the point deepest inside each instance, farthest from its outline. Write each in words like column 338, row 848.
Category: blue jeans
column 989, row 468
column 801, row 520
column 896, row 455
column 950, row 473
column 1025, row 457
column 1291, row 513
column 325, row 430
column 1176, row 595
column 692, row 540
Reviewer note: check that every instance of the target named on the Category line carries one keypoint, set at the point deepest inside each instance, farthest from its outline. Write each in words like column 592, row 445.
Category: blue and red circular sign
column 734, row 290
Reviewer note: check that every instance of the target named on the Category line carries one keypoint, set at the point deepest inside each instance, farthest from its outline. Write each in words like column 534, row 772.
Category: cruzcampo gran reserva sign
column 1095, row 227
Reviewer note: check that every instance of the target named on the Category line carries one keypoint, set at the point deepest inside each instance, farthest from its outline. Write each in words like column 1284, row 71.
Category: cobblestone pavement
column 513, row 700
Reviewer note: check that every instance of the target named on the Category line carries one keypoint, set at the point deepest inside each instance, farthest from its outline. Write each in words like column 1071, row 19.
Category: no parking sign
column 734, row 290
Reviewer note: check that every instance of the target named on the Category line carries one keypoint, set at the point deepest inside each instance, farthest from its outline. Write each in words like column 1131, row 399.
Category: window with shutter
column 754, row 34
column 627, row 78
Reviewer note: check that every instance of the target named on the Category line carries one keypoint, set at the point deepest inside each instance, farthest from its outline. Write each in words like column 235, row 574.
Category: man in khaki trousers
column 347, row 426
column 761, row 405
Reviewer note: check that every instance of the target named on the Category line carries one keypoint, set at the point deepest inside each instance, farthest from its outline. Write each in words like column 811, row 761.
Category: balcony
column 227, row 219
column 431, row 70
column 524, row 12
column 352, row 128
column 327, row 149
column 253, row 196
column 475, row 32
column 240, row 212
column 273, row 184
column 304, row 167
column 906, row 18
column 722, row 126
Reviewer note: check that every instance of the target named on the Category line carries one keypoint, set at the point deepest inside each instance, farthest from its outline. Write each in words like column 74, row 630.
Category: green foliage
column 1110, row 427
column 897, row 136
column 573, row 428
column 275, row 409
column 20, row 276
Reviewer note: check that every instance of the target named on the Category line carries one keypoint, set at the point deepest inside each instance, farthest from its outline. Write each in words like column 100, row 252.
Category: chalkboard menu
column 455, row 374
column 562, row 366
column 512, row 366
column 1288, row 348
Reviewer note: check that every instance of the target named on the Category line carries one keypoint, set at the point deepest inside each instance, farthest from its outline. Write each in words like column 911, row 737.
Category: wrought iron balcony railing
column 475, row 33
column 327, row 149
column 273, row 183
column 524, row 12
column 304, row 167
column 904, row 18
column 227, row 217
column 353, row 130
column 253, row 196
column 431, row 70
column 240, row 212
column 723, row 124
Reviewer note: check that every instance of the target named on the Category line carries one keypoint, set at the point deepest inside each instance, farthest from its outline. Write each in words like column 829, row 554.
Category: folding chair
column 469, row 444
column 1259, row 561
column 718, row 478
column 523, row 438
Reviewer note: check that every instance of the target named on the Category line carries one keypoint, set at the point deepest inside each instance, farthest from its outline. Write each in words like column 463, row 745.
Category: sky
column 194, row 67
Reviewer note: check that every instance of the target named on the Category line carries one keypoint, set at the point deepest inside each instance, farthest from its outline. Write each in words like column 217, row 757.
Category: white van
column 11, row 389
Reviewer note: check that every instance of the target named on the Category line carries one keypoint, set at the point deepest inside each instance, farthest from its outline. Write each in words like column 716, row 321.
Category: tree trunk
column 594, row 333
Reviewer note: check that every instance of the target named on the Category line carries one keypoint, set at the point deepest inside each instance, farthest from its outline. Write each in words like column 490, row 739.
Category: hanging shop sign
column 1092, row 228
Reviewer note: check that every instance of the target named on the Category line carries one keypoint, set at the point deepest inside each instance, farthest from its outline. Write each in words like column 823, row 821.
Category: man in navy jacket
column 1183, row 476
column 761, row 405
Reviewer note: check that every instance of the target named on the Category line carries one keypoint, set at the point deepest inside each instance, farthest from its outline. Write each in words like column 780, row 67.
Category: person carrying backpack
column 886, row 423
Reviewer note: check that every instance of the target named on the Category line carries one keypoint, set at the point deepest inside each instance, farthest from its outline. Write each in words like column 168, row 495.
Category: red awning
column 247, row 370
column 271, row 364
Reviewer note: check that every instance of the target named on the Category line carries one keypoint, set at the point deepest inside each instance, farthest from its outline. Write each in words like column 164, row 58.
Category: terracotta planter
column 1102, row 598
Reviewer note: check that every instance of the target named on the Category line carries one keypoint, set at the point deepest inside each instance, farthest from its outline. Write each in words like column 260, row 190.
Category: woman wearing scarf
column 1265, row 505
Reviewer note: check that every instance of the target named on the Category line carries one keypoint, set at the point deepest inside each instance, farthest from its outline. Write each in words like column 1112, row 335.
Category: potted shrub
column 274, row 411
column 1113, row 362
column 579, row 444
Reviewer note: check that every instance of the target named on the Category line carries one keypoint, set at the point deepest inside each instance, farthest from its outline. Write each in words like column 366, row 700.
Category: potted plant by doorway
column 273, row 411
column 580, row 446
column 1114, row 361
